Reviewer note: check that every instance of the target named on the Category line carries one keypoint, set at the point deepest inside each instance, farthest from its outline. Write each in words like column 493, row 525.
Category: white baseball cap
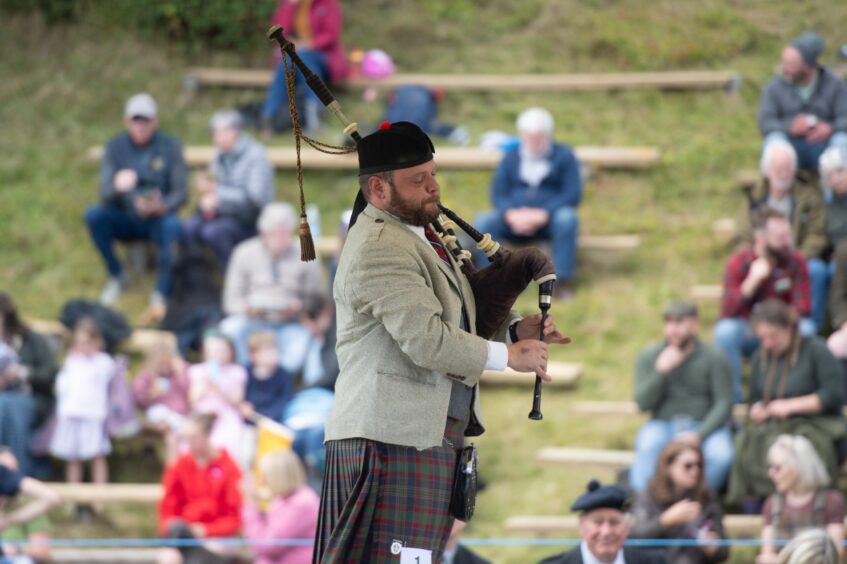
column 141, row 105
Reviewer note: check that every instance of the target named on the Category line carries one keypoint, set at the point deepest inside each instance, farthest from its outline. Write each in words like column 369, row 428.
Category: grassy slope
column 60, row 95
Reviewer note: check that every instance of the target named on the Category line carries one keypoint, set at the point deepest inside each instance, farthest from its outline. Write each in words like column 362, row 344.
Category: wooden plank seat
column 198, row 77
column 568, row 525
column 108, row 493
column 449, row 158
column 139, row 341
column 706, row 292
column 593, row 458
column 565, row 375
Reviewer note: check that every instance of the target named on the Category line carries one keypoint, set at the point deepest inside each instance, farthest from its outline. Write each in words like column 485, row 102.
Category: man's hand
column 530, row 328
column 526, row 221
column 799, row 126
column 125, row 180
column 759, row 413
column 670, row 358
column 761, row 269
column 529, row 356
column 779, row 409
column 819, row 133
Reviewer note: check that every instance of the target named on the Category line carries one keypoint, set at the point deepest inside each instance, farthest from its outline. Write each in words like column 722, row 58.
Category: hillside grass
column 63, row 89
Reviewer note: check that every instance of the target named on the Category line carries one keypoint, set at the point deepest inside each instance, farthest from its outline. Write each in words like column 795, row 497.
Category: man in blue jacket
column 535, row 192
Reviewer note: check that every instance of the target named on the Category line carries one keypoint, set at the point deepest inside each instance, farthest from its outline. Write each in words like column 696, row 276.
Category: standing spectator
column 802, row 499
column 796, row 195
column 142, row 187
column 82, row 393
column 268, row 287
column 679, row 505
column 770, row 268
column 239, row 184
column 796, row 387
column 314, row 26
column 686, row 385
column 806, row 105
column 34, row 530
column 536, row 190
column 40, row 499
column 217, row 387
column 201, row 499
column 161, row 389
column 833, row 171
column 603, row 526
column 292, row 513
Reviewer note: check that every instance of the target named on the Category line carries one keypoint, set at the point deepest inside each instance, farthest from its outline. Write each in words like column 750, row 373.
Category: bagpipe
column 495, row 287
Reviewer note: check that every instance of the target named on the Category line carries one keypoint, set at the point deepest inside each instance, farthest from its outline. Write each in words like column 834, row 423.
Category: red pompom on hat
column 385, row 126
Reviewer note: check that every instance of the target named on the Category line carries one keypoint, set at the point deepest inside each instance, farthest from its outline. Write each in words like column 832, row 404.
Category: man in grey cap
column 142, row 187
column 604, row 523
column 686, row 386
column 240, row 182
column 806, row 104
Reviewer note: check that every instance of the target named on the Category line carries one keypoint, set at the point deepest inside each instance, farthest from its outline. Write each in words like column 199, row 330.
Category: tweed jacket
column 400, row 346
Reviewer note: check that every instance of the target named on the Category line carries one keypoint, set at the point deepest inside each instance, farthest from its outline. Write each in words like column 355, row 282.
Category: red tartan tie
column 437, row 245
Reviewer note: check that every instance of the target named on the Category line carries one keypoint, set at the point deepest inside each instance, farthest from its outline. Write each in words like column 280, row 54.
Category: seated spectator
column 796, row 387
column 796, row 195
column 603, row 526
column 833, row 171
column 810, row 547
column 201, row 498
column 535, row 191
column 806, row 104
column 239, row 184
column 457, row 553
column 686, row 385
column 268, row 287
column 142, row 187
column 269, row 386
column 82, row 405
column 837, row 341
column 217, row 387
column 802, row 499
column 679, row 505
column 770, row 268
column 292, row 513
column 315, row 29
column 161, row 389
column 24, row 503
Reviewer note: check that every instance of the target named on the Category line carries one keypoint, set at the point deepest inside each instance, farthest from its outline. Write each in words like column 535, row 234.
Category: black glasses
column 689, row 466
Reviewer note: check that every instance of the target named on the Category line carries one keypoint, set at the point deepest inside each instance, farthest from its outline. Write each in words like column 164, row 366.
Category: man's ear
column 378, row 189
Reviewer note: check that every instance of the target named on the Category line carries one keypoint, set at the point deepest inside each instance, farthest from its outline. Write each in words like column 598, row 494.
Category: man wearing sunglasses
column 143, row 181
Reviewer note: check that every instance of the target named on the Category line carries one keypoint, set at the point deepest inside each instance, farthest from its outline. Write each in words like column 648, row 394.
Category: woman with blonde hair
column 292, row 513
column 810, row 547
column 802, row 500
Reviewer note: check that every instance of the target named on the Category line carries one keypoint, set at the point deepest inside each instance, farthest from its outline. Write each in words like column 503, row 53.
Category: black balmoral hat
column 601, row 497
column 394, row 146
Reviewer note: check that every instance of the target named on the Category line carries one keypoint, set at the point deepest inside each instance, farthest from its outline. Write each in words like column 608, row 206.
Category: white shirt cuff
column 498, row 356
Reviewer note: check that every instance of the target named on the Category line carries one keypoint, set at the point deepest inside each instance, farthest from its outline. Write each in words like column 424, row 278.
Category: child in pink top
column 161, row 389
column 82, row 395
column 292, row 513
column 217, row 386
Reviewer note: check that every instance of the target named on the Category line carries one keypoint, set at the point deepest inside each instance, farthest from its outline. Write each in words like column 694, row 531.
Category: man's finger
column 544, row 376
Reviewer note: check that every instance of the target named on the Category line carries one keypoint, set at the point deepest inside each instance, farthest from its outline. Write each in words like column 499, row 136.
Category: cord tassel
column 307, row 244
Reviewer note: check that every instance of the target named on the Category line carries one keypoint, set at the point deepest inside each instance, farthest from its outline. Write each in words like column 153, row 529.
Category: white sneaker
column 111, row 291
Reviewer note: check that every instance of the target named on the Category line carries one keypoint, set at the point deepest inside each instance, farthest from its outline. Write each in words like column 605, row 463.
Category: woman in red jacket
column 202, row 498
column 314, row 26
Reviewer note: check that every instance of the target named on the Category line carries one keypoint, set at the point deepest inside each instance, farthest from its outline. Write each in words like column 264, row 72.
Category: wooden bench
column 108, row 493
column 735, row 525
column 706, row 292
column 139, row 341
column 594, row 459
column 565, row 375
column 448, row 158
column 198, row 77
column 132, row 555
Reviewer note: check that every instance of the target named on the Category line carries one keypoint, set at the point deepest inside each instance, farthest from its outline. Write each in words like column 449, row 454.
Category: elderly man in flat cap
column 806, row 104
column 410, row 364
column 603, row 526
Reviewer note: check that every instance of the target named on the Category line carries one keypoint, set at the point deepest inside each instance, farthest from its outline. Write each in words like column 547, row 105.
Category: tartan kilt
column 375, row 495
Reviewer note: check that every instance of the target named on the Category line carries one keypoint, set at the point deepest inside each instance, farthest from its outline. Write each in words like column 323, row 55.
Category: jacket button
column 379, row 221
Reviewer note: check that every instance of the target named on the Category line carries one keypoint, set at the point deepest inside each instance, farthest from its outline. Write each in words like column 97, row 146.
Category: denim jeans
column 278, row 91
column 562, row 231
column 808, row 154
column 735, row 338
column 298, row 347
column 654, row 435
column 819, row 275
column 107, row 224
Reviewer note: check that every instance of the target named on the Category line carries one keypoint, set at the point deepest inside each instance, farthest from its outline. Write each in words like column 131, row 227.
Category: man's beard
column 778, row 254
column 419, row 215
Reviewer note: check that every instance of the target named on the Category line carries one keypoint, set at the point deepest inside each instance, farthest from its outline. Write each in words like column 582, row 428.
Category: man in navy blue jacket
column 142, row 186
column 535, row 192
